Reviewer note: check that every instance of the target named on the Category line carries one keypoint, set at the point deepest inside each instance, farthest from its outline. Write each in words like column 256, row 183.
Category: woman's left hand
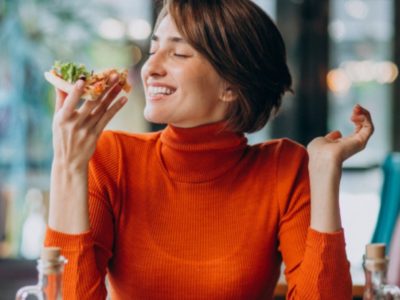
column 326, row 157
column 335, row 148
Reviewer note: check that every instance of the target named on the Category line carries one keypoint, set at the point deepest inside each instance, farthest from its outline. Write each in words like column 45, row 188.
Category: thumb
column 334, row 135
column 60, row 99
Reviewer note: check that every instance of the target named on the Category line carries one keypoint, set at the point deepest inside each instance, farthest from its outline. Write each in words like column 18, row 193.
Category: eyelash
column 175, row 54
column 181, row 55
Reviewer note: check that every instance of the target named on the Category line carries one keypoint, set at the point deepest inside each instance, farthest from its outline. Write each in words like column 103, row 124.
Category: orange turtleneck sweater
column 198, row 214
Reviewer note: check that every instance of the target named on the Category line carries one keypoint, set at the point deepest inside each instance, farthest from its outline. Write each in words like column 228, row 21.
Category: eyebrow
column 172, row 39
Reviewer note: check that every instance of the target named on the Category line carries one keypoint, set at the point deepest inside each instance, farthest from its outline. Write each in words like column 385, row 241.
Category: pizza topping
column 95, row 82
column 70, row 72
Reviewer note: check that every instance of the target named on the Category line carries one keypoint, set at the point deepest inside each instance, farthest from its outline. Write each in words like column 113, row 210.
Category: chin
column 153, row 117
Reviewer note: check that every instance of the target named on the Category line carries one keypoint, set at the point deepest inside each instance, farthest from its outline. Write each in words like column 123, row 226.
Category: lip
column 158, row 84
column 157, row 97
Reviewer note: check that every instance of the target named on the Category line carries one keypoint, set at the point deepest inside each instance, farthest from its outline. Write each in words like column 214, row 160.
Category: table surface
column 23, row 272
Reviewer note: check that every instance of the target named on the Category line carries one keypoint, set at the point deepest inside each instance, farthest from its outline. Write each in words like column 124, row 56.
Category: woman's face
column 181, row 86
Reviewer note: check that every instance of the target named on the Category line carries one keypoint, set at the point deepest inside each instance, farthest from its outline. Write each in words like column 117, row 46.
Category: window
column 361, row 70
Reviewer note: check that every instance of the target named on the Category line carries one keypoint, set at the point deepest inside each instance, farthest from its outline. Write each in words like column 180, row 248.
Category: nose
column 154, row 66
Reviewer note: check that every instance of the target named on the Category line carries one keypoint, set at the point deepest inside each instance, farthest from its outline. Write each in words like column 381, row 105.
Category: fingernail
column 114, row 77
column 80, row 84
column 124, row 100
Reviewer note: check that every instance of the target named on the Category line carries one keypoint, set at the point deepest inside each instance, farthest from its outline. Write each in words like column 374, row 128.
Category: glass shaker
column 375, row 264
column 50, row 268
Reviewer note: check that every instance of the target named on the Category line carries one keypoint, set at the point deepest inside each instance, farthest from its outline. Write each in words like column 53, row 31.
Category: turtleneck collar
column 200, row 153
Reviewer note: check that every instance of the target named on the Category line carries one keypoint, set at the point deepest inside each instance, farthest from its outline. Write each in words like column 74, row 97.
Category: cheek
column 206, row 80
column 180, row 76
column 143, row 71
column 196, row 82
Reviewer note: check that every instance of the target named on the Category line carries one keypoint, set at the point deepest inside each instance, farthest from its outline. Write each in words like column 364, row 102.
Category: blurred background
column 340, row 52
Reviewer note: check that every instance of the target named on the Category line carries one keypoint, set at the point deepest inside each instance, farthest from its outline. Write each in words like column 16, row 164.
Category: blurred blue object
column 390, row 200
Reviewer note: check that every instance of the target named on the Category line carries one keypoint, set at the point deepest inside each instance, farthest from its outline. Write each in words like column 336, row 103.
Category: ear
column 228, row 93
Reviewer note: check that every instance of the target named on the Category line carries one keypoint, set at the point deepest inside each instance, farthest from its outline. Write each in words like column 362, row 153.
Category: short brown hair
column 245, row 48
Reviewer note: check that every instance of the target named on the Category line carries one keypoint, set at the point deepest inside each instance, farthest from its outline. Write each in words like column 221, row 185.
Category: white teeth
column 156, row 90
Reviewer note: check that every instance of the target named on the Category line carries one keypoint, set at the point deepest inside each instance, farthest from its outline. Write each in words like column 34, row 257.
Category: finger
column 113, row 81
column 60, row 98
column 358, row 121
column 88, row 106
column 333, row 135
column 368, row 120
column 358, row 109
column 363, row 133
column 357, row 118
column 93, row 107
column 105, row 103
column 362, row 119
column 106, row 118
column 112, row 93
column 73, row 98
column 350, row 146
column 361, row 114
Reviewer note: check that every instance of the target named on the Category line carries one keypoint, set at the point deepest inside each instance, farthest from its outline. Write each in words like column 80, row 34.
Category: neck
column 200, row 153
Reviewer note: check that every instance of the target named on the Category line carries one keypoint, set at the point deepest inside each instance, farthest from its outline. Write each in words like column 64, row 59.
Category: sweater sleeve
column 316, row 263
column 88, row 254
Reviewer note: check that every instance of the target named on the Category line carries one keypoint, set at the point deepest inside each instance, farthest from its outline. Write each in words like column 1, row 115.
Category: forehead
column 167, row 27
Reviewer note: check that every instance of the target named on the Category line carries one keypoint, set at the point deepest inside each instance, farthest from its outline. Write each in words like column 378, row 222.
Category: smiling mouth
column 154, row 91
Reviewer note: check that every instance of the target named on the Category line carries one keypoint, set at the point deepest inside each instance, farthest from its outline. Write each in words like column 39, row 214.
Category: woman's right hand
column 75, row 134
column 77, row 129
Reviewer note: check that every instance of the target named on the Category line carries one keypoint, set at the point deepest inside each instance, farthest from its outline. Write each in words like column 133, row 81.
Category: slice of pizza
column 64, row 75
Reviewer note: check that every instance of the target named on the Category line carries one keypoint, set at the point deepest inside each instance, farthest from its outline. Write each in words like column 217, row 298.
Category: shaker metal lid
column 50, row 253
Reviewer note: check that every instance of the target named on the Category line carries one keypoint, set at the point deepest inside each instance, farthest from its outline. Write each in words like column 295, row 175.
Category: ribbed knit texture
column 198, row 214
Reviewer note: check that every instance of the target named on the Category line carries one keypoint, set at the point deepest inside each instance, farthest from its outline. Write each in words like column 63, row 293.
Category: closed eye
column 181, row 55
column 175, row 54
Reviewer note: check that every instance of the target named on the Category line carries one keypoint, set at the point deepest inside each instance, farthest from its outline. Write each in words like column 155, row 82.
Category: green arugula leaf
column 70, row 71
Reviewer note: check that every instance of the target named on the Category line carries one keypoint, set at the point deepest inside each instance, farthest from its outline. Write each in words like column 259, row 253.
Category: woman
column 193, row 212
